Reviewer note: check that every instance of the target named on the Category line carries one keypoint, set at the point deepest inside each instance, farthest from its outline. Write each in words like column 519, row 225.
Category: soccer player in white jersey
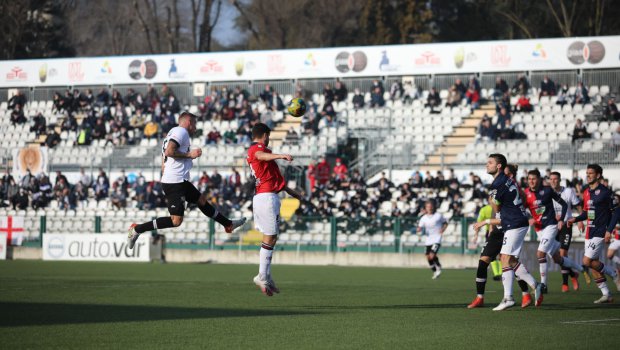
column 614, row 234
column 434, row 225
column 566, row 233
column 266, row 203
column 176, row 163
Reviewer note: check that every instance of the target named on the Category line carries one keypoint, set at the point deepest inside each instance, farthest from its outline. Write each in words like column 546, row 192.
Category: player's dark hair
column 597, row 168
column 500, row 158
column 513, row 168
column 556, row 174
column 259, row 130
column 187, row 114
column 534, row 172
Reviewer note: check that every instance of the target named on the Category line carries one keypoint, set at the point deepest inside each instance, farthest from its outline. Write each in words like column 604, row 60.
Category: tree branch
column 145, row 27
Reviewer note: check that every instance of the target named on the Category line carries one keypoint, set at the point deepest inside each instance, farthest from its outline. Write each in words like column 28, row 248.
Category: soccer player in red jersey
column 266, row 203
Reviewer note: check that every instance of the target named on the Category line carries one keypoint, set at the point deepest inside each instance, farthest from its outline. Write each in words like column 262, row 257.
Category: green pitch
column 112, row 305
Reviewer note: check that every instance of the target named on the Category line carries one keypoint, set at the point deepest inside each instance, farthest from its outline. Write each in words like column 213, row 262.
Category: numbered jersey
column 540, row 204
column 505, row 193
column 597, row 205
column 267, row 173
column 176, row 170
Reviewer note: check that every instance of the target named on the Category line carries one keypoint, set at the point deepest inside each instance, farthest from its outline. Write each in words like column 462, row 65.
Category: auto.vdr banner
column 95, row 247
column 415, row 59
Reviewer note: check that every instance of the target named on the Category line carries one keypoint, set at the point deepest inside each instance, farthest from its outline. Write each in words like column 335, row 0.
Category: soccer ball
column 297, row 107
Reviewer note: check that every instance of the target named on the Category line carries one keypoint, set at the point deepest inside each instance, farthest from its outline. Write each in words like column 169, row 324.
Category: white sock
column 508, row 276
column 523, row 274
column 603, row 287
column 264, row 267
column 616, row 260
column 569, row 263
column 543, row 269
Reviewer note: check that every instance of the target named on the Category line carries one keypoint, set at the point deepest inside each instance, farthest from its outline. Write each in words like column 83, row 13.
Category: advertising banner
column 414, row 59
column 94, row 247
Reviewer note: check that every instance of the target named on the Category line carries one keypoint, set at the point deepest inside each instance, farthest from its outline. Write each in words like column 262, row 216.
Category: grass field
column 114, row 305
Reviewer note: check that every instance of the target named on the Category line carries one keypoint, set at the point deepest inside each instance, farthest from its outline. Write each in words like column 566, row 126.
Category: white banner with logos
column 94, row 247
column 414, row 59
column 3, row 246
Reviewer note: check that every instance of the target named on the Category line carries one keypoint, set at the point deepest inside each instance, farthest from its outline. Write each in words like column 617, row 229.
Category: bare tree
column 173, row 29
column 13, row 15
column 150, row 24
column 568, row 16
column 206, row 28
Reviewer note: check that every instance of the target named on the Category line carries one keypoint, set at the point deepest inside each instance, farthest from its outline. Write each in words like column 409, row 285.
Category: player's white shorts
column 266, row 208
column 614, row 245
column 513, row 241
column 594, row 248
column 548, row 244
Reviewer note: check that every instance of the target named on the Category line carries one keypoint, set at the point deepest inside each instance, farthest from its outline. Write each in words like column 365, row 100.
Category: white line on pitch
column 591, row 321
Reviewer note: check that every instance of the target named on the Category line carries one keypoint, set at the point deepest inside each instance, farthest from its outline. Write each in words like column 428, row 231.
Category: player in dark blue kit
column 506, row 199
column 597, row 210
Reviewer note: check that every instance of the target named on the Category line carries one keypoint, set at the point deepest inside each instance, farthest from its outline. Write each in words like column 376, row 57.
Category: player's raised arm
column 265, row 156
column 293, row 193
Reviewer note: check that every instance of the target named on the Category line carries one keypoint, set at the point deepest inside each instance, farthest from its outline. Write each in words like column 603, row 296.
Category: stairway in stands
column 276, row 138
column 461, row 136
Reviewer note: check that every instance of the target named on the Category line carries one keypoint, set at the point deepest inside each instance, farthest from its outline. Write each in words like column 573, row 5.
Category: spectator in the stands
column 118, row 198
column 102, row 186
column 38, row 126
column 547, row 87
column 340, row 93
column 17, row 116
column 580, row 131
column 69, row 123
column 376, row 98
column 377, row 84
column 328, row 93
column 616, row 137
column 611, row 110
column 502, row 116
column 521, row 86
column 267, row 94
column 486, row 130
column 396, row 90
column 501, row 88
column 473, row 97
column 523, row 104
column 508, row 132
column 103, row 97
column 473, row 82
column 581, row 95
column 358, row 99
column 229, row 137
column 275, row 104
column 460, row 87
column 291, row 138
column 19, row 99
column 563, row 96
column 340, row 170
column 99, row 132
column 53, row 138
column 411, row 92
column 504, row 102
column 433, row 100
column 454, row 97
column 213, row 137
column 323, row 171
column 311, row 174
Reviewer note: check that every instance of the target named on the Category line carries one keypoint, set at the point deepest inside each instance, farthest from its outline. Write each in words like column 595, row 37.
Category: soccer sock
column 523, row 285
column 432, row 265
column 157, row 224
column 496, row 266
column 543, row 269
column 508, row 277
column 524, row 275
column 437, row 263
column 609, row 271
column 571, row 273
column 569, row 263
column 564, row 276
column 616, row 260
column 602, row 285
column 266, row 252
column 211, row 212
column 481, row 277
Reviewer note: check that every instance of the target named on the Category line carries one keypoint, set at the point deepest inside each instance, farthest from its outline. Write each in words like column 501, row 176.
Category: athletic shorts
column 266, row 207
column 513, row 241
column 594, row 248
column 548, row 239
column 434, row 248
column 565, row 236
column 614, row 245
column 493, row 244
column 179, row 193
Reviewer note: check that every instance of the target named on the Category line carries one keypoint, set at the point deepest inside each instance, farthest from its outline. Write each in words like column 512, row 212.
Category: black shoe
column 543, row 288
column 497, row 278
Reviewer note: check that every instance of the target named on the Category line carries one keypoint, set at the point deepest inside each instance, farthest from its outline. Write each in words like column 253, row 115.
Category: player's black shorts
column 565, row 236
column 432, row 248
column 179, row 193
column 493, row 244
